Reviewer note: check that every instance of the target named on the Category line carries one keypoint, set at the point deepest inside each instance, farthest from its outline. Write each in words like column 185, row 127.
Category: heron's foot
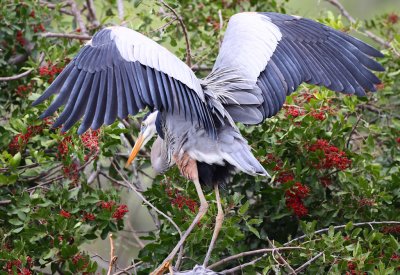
column 165, row 266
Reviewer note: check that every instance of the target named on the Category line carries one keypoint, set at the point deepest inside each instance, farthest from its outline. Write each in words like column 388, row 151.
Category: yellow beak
column 135, row 150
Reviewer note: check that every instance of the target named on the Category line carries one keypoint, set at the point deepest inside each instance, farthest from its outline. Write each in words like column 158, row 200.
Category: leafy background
column 334, row 158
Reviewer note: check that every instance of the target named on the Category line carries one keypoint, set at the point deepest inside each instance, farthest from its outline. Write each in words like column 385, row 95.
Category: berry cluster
column 65, row 214
column 71, row 171
column 63, row 147
column 17, row 265
column 294, row 111
column 294, row 199
column 88, row 216
column 22, row 90
column 393, row 18
column 20, row 38
column 325, row 181
column 366, row 202
column 332, row 156
column 394, row 229
column 90, row 140
column 178, row 200
column 39, row 28
column 50, row 71
column 19, row 141
column 119, row 210
column 79, row 259
column 296, row 194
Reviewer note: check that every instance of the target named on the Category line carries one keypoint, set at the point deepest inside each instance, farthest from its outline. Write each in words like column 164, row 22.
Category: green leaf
column 244, row 208
column 15, row 222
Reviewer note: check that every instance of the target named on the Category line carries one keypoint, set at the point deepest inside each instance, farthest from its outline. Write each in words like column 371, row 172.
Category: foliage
column 334, row 159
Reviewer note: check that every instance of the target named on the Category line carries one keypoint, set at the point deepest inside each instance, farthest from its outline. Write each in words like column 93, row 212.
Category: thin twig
column 133, row 188
column 78, row 16
column 135, row 236
column 120, row 6
column 54, row 6
column 15, row 77
column 310, row 261
column 184, row 30
column 164, row 26
column 280, row 257
column 241, row 266
column 67, row 35
column 125, row 270
column 252, row 252
column 92, row 13
column 352, row 131
column 351, row 19
column 4, row 202
column 221, row 25
column 340, row 227
column 113, row 258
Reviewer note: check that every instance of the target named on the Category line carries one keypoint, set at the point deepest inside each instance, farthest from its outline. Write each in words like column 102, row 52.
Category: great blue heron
column 263, row 58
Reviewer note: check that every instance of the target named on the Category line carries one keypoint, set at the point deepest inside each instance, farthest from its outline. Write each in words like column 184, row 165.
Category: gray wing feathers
column 120, row 72
column 278, row 52
column 236, row 151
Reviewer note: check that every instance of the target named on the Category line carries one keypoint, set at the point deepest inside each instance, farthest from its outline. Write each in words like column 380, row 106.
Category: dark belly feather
column 210, row 174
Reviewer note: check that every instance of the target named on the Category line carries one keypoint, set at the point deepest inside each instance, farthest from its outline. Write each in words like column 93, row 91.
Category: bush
column 331, row 206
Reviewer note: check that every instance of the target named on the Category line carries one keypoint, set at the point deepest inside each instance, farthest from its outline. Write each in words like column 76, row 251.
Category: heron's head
column 147, row 131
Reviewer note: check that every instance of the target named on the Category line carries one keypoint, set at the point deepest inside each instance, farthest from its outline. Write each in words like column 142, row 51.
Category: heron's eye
column 143, row 124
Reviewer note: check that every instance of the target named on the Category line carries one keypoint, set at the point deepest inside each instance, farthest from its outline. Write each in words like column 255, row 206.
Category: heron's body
column 180, row 141
column 263, row 58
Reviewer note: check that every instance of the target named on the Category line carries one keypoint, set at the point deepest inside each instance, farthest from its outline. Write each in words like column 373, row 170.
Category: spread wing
column 121, row 72
column 278, row 52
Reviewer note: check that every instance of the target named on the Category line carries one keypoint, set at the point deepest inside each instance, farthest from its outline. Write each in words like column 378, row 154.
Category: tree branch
column 92, row 13
column 54, row 7
column 125, row 270
column 184, row 30
column 280, row 257
column 342, row 226
column 351, row 19
column 78, row 16
column 120, row 6
column 310, row 261
column 352, row 132
column 15, row 77
column 66, row 35
column 252, row 252
column 113, row 258
column 140, row 195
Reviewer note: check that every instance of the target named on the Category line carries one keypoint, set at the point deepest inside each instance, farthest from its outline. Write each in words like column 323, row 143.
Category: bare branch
column 54, row 7
column 67, row 35
column 15, row 77
column 252, row 252
column 351, row 19
column 92, row 13
column 280, row 257
column 352, row 131
column 135, row 236
column 241, row 266
column 184, row 30
column 125, row 270
column 4, row 202
column 120, row 6
column 78, row 16
column 113, row 258
column 310, row 261
column 343, row 226
column 140, row 195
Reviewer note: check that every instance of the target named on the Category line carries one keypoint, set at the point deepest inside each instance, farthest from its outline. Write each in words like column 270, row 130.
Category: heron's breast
column 187, row 165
